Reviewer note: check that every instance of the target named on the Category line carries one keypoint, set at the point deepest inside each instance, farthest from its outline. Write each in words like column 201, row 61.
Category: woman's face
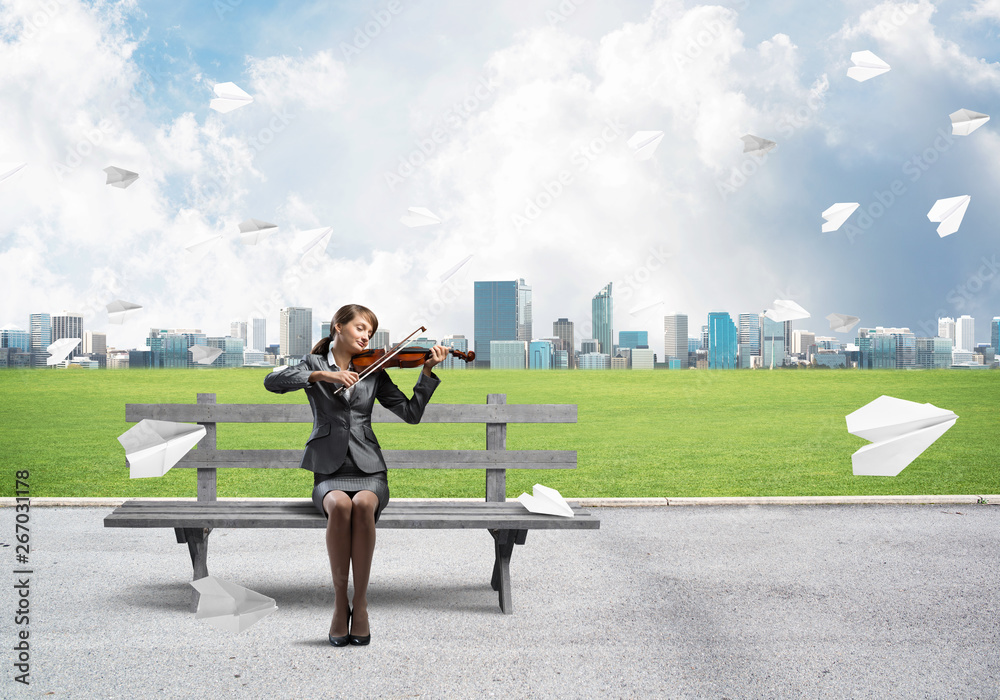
column 356, row 333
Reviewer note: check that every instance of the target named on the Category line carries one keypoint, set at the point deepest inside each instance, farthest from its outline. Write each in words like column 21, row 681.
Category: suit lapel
column 329, row 368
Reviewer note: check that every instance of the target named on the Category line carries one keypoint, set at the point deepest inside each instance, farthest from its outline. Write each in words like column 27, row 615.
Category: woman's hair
column 345, row 314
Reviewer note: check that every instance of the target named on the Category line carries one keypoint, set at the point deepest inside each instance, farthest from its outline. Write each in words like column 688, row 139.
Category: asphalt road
column 717, row 602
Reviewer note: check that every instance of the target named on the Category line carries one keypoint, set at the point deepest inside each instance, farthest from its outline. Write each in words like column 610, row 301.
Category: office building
column 258, row 337
column 295, row 331
column 602, row 313
column 886, row 348
column 13, row 337
column 589, row 345
column 594, row 360
column 749, row 333
column 232, row 351
column 40, row 336
column 95, row 343
column 502, row 312
column 563, row 328
column 933, row 353
column 675, row 338
column 772, row 342
column 632, row 339
column 995, row 334
column 642, row 358
column 460, row 343
column 67, row 325
column 694, row 345
column 619, row 362
column 835, row 359
column 704, row 338
column 946, row 329
column 722, row 336
column 540, row 354
column 324, row 329
column 380, row 340
column 421, row 342
column 965, row 332
column 801, row 340
column 561, row 359
column 255, row 358
column 508, row 354
column 238, row 329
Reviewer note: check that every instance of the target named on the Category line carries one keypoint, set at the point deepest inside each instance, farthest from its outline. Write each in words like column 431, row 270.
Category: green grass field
column 640, row 433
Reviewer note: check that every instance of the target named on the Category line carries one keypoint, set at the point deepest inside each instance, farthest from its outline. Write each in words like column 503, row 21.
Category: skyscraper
column 721, row 341
column 501, row 311
column 238, row 329
column 675, row 338
column 749, row 332
column 258, row 339
column 886, row 348
column 40, row 329
column 602, row 312
column 965, row 333
column 563, row 328
column 995, row 334
column 946, row 329
column 772, row 342
column 67, row 325
column 95, row 343
column 295, row 331
column 13, row 337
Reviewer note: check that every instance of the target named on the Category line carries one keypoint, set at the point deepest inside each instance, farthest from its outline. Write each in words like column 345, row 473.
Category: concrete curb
column 593, row 502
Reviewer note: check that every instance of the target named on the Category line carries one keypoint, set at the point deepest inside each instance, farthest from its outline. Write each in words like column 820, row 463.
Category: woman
column 350, row 487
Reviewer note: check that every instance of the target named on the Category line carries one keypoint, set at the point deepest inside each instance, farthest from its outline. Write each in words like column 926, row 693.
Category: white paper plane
column 418, row 216
column 453, row 269
column 60, row 350
column 8, row 170
column 965, row 121
column 900, row 431
column 118, row 310
column 837, row 214
column 120, row 177
column 152, row 447
column 644, row 307
column 643, row 143
column 786, row 310
column 228, row 606
column 842, row 323
column 949, row 212
column 253, row 231
column 306, row 241
column 203, row 354
column 756, row 145
column 229, row 97
column 200, row 248
column 866, row 65
column 546, row 500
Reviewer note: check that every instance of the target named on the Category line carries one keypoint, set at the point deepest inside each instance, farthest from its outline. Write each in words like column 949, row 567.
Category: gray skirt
column 350, row 479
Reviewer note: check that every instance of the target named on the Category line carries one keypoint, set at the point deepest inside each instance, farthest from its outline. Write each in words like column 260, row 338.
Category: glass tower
column 495, row 312
column 296, row 331
column 632, row 339
column 995, row 334
column 602, row 312
column 721, row 341
column 675, row 338
column 749, row 332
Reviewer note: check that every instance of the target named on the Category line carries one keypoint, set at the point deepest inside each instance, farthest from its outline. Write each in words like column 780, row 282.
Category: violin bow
column 385, row 358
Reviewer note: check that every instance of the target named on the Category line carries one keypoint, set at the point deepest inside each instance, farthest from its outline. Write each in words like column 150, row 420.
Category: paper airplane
column 118, row 310
column 307, row 240
column 899, row 430
column 60, row 350
column 643, row 143
column 120, row 177
column 837, row 214
column 418, row 216
column 545, row 500
column 644, row 307
column 949, row 212
column 965, row 121
column 152, row 447
column 253, row 231
column 866, row 65
column 204, row 355
column 454, row 268
column 228, row 606
column 786, row 310
column 200, row 248
column 229, row 97
column 7, row 170
column 842, row 323
column 756, row 145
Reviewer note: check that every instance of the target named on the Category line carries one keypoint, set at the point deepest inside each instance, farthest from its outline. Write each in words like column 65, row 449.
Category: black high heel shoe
column 357, row 640
column 342, row 641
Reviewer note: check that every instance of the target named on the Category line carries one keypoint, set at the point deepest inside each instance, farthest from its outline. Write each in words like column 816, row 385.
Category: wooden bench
column 507, row 522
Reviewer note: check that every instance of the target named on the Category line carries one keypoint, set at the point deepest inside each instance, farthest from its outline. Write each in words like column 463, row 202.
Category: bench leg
column 504, row 541
column 197, row 542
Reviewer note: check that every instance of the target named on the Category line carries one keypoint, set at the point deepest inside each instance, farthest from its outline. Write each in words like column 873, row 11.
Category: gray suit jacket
column 339, row 422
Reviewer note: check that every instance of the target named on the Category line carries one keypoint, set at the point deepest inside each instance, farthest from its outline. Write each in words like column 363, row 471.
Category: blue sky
column 327, row 128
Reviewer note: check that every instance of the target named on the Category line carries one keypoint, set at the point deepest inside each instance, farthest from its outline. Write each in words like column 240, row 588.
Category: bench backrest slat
column 394, row 459
column 301, row 413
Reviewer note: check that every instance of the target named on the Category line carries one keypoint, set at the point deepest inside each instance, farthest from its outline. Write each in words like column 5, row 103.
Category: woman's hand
column 345, row 377
column 438, row 353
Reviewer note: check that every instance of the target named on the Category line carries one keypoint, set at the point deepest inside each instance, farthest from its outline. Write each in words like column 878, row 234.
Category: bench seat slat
column 302, row 413
column 394, row 459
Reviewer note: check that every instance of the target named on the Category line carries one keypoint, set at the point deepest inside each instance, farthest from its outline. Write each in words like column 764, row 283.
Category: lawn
column 640, row 433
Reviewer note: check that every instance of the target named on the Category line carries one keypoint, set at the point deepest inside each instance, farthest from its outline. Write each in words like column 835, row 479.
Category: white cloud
column 316, row 82
column 984, row 9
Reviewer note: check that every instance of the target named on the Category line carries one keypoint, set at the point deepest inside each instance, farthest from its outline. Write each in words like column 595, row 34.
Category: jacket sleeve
column 284, row 379
column 410, row 410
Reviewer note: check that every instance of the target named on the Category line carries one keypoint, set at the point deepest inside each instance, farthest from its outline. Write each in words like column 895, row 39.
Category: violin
column 405, row 357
